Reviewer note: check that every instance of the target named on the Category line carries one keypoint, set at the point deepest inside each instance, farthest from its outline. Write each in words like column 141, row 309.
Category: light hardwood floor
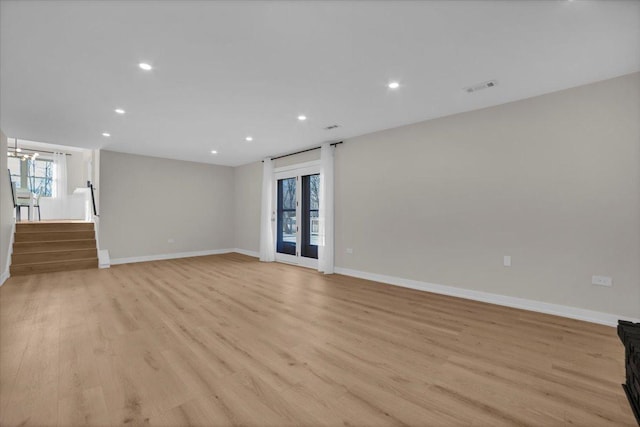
column 226, row 340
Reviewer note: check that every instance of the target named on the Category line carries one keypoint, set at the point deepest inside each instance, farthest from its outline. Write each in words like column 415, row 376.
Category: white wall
column 76, row 170
column 553, row 181
column 145, row 201
column 6, row 210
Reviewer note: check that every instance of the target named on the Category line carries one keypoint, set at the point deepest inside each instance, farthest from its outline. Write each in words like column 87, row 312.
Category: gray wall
column 145, row 201
column 552, row 181
column 248, row 196
column 308, row 156
column 6, row 207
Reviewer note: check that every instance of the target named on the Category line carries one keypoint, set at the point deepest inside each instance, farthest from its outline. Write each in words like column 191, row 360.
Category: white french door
column 296, row 214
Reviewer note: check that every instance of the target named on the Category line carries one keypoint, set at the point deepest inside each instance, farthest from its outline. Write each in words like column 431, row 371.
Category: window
column 40, row 176
column 36, row 175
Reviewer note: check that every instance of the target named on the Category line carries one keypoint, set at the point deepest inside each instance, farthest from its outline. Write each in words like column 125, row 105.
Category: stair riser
column 51, row 236
column 18, row 270
column 81, row 226
column 30, row 247
column 18, row 259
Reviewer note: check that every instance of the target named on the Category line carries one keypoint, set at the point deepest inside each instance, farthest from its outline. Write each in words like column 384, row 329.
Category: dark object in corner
column 629, row 334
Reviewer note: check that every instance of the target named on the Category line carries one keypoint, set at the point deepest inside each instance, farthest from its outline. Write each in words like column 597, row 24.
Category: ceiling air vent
column 480, row 86
column 331, row 127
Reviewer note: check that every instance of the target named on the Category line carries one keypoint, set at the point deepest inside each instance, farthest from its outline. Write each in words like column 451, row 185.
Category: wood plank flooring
column 226, row 340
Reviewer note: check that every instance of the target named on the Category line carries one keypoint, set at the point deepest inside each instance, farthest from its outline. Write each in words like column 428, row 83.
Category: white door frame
column 294, row 171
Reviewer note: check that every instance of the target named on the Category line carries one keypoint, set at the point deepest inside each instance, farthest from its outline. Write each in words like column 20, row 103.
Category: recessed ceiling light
column 145, row 66
column 302, row 117
column 393, row 85
column 214, row 152
column 119, row 111
column 249, row 138
column 18, row 150
column 107, row 134
column 36, row 154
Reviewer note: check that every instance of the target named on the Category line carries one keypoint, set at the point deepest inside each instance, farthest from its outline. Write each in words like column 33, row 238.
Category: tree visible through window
column 40, row 177
column 35, row 175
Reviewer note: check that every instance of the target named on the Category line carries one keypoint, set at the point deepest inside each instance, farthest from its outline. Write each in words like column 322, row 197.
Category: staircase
column 43, row 247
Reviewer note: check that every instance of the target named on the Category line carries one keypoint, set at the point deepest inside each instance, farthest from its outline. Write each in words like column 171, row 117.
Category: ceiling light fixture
column 214, row 152
column 15, row 151
column 145, row 66
column 393, row 85
column 119, row 111
column 106, row 134
column 249, row 138
column 302, row 117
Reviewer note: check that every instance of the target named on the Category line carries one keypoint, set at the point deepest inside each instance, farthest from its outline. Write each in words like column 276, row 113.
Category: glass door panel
column 287, row 228
column 310, row 206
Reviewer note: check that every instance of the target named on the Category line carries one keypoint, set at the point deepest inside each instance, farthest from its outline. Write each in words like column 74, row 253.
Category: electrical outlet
column 601, row 281
column 507, row 261
column 349, row 250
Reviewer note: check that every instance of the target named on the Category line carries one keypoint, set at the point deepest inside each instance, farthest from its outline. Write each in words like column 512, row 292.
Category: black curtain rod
column 36, row 151
column 16, row 152
column 333, row 144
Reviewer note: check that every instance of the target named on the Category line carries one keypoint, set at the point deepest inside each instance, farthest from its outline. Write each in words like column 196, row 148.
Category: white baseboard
column 103, row 258
column 160, row 257
column 247, row 252
column 521, row 303
column 6, row 273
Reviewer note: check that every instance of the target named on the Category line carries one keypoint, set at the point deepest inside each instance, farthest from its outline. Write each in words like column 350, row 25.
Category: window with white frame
column 36, row 175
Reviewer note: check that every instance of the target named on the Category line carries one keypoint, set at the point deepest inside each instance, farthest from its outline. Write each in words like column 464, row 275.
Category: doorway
column 297, row 216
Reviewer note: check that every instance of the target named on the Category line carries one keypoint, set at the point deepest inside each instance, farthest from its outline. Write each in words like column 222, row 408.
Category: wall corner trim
column 6, row 273
column 247, row 252
column 608, row 319
column 103, row 258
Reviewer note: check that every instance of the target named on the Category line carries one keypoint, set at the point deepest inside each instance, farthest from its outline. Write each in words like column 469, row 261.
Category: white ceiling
column 226, row 70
